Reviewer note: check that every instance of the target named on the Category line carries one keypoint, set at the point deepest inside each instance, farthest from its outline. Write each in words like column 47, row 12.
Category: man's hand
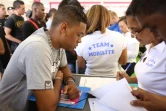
column 149, row 101
column 72, row 91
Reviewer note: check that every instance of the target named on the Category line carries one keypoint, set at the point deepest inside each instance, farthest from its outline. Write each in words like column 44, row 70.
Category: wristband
column 58, row 78
column 65, row 81
column 70, row 81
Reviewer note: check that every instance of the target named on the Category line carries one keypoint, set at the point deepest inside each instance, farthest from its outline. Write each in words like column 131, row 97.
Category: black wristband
column 64, row 80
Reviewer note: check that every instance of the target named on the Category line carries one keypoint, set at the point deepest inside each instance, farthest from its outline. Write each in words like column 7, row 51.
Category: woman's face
column 143, row 35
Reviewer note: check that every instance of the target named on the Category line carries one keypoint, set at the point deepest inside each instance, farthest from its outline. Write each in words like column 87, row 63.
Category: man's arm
column 149, row 101
column 81, row 62
column 70, row 89
column 2, row 49
column 9, row 36
column 47, row 100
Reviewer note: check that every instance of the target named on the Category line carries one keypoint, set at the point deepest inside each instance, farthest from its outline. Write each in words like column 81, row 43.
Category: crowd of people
column 39, row 56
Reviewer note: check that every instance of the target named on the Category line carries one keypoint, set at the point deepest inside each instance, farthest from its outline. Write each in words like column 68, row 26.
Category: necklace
column 56, row 61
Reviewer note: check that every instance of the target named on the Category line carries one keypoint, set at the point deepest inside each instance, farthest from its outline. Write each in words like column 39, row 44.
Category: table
column 77, row 77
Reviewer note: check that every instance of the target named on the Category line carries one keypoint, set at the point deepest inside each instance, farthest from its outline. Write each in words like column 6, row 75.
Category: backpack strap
column 33, row 23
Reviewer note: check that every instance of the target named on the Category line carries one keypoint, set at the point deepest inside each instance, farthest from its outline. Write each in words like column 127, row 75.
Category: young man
column 34, row 65
column 5, row 57
column 114, row 22
column 51, row 16
column 13, row 25
column 150, row 14
column 33, row 23
column 10, row 11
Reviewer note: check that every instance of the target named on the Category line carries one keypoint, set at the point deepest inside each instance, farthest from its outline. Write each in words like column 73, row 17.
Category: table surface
column 77, row 78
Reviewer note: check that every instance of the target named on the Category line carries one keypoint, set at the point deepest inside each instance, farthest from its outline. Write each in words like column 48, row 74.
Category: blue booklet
column 78, row 103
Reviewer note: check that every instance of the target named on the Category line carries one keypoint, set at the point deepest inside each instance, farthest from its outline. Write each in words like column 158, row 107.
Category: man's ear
column 35, row 9
column 64, row 27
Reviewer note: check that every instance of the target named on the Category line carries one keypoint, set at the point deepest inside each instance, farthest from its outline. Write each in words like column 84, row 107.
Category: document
column 95, row 82
column 96, row 106
column 91, row 103
column 119, row 96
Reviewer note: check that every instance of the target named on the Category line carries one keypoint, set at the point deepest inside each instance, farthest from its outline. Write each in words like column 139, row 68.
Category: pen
column 128, row 67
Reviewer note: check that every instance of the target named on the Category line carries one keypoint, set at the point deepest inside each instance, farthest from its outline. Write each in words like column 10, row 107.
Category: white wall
column 118, row 6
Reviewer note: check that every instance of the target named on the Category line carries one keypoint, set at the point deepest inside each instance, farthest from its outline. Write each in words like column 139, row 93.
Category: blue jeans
column 72, row 67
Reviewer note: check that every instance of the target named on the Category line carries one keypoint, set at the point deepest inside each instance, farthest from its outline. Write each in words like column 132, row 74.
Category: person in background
column 2, row 51
column 4, row 57
column 132, row 47
column 13, row 25
column 28, row 14
column 71, row 54
column 44, row 20
column 101, row 50
column 39, row 64
column 114, row 22
column 34, row 22
column 150, row 14
column 51, row 16
column 10, row 11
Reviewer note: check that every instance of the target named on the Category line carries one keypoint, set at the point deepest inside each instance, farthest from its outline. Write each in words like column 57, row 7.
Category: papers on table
column 116, row 95
column 95, row 82
column 95, row 105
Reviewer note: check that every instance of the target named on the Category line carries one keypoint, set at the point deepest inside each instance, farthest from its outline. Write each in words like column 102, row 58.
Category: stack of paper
column 114, row 97
column 95, row 105
column 95, row 82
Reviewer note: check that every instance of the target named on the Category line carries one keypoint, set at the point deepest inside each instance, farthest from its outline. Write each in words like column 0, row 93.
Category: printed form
column 95, row 82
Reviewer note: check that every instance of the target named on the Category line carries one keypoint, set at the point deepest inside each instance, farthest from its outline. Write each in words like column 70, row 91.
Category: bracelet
column 70, row 81
column 65, row 82
column 58, row 78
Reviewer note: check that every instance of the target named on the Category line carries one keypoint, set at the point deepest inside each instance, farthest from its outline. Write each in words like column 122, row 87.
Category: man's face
column 73, row 35
column 144, row 36
column 10, row 12
column 155, row 22
column 21, row 10
column 114, row 19
column 2, row 11
column 40, row 11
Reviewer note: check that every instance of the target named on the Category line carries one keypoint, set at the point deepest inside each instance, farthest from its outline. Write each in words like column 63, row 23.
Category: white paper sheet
column 96, row 106
column 103, row 90
column 118, row 97
column 95, row 82
column 91, row 104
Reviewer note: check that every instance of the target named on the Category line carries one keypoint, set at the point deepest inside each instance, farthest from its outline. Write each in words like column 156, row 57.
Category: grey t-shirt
column 30, row 68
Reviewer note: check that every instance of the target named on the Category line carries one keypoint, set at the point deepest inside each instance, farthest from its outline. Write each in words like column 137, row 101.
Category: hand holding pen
column 122, row 74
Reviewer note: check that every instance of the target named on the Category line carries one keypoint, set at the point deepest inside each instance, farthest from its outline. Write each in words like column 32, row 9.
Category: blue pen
column 128, row 67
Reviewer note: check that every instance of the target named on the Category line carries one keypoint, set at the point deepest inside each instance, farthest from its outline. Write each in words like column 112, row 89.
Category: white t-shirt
column 101, row 52
column 151, row 74
column 132, row 47
column 48, row 24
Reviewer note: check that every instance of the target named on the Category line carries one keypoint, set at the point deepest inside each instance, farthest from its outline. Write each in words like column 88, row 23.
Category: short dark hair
column 129, row 11
column 70, row 2
column 17, row 3
column 36, row 4
column 70, row 14
column 52, row 11
column 148, row 7
column 1, row 5
column 29, row 13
